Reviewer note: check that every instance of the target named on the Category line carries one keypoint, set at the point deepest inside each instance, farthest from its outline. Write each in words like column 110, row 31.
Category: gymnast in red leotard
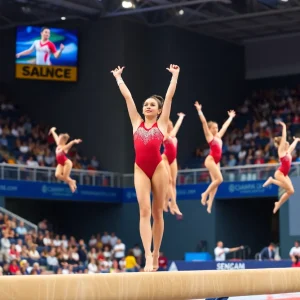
column 150, row 173
column 282, row 178
column 64, row 165
column 170, row 158
column 147, row 142
column 212, row 161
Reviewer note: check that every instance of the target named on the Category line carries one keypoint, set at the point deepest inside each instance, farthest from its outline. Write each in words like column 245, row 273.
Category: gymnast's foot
column 155, row 262
column 149, row 263
column 203, row 199
column 75, row 184
column 166, row 204
column 268, row 182
column 72, row 186
column 174, row 209
column 209, row 206
column 276, row 207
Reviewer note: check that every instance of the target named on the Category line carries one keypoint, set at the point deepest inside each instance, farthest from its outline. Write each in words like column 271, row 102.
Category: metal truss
column 159, row 5
column 26, row 12
column 233, row 20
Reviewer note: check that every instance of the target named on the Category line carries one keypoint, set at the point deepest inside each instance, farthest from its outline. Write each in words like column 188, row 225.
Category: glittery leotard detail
column 147, row 143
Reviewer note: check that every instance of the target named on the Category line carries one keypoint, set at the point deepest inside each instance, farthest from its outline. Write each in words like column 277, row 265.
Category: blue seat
column 40, row 249
column 12, row 241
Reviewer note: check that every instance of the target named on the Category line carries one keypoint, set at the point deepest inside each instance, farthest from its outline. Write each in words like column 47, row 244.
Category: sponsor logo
column 230, row 266
column 183, row 192
column 47, row 189
column 130, row 195
column 57, row 73
column 8, row 188
column 247, row 188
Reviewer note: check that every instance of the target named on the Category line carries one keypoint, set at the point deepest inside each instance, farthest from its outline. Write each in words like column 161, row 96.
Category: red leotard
column 170, row 151
column 286, row 162
column 216, row 149
column 147, row 143
column 296, row 265
column 61, row 157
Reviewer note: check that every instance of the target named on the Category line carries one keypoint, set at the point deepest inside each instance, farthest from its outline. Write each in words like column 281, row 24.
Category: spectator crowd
column 249, row 139
column 25, row 142
column 27, row 252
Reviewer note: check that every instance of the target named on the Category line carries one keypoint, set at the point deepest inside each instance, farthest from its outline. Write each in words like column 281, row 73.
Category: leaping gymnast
column 149, row 170
column 170, row 158
column 212, row 162
column 281, row 175
column 64, row 165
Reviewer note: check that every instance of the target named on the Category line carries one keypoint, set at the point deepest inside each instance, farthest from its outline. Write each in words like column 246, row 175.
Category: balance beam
column 151, row 286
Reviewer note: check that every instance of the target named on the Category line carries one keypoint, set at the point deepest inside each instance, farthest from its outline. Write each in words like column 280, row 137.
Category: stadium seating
column 249, row 139
column 25, row 251
column 25, row 142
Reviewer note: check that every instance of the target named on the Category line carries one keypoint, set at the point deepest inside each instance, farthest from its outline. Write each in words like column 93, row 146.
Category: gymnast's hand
column 280, row 123
column 77, row 141
column 296, row 139
column 174, row 69
column 231, row 113
column 198, row 106
column 117, row 72
column 181, row 114
column 52, row 130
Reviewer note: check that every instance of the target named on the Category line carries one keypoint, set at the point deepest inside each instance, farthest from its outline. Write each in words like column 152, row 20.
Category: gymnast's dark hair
column 44, row 28
column 160, row 100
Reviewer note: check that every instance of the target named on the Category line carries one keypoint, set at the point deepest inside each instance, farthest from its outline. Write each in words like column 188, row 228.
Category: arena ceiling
column 232, row 20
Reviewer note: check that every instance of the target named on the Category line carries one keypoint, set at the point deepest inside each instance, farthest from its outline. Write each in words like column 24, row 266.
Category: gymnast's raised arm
column 135, row 117
column 54, row 134
column 177, row 125
column 208, row 135
column 282, row 140
column 165, row 115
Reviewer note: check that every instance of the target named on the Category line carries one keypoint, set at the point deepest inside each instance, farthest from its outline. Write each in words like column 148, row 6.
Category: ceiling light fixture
column 127, row 4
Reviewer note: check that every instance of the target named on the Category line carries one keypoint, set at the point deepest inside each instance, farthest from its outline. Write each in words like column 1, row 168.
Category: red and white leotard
column 43, row 51
column 286, row 162
column 147, row 143
column 61, row 157
column 170, row 150
column 216, row 149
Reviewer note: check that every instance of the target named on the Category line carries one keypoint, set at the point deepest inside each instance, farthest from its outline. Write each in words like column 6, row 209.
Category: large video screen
column 46, row 53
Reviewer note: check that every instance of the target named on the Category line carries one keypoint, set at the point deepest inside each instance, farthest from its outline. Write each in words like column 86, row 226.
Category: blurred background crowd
column 26, row 142
column 26, row 251
column 249, row 140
